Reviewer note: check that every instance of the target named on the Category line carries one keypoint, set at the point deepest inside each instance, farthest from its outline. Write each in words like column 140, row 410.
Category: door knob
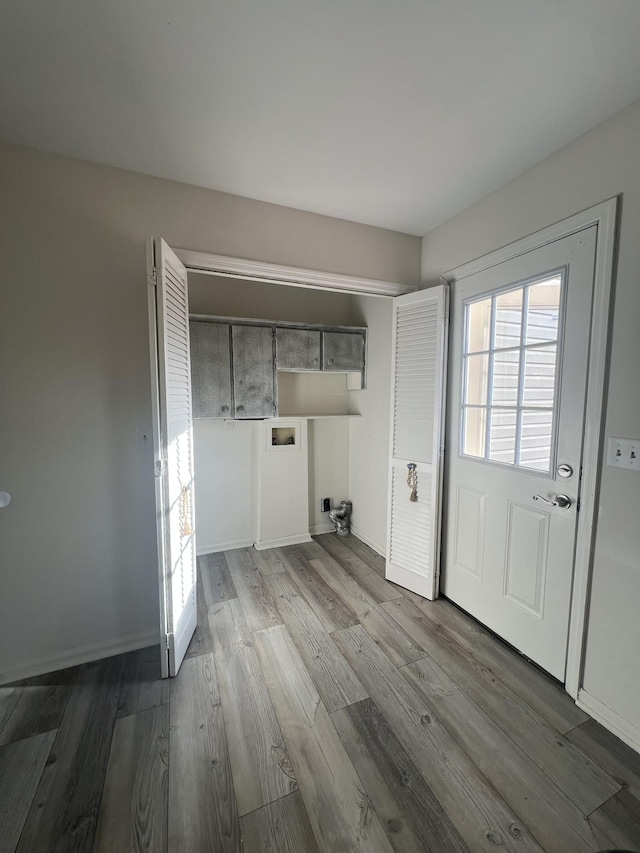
column 563, row 501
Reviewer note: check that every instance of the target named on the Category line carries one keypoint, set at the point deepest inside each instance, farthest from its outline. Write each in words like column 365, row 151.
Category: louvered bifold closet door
column 417, row 409
column 174, row 463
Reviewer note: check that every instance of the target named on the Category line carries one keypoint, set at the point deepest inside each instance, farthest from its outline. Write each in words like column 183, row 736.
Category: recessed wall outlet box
column 325, row 504
column 624, row 453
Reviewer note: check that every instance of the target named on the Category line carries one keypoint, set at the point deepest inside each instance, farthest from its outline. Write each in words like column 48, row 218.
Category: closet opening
column 273, row 441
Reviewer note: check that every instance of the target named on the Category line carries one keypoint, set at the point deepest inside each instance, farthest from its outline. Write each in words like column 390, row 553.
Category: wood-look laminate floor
column 319, row 708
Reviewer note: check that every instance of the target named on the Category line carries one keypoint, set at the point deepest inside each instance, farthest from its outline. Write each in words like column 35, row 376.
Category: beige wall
column 599, row 165
column 228, row 297
column 369, row 436
column 77, row 544
column 226, row 482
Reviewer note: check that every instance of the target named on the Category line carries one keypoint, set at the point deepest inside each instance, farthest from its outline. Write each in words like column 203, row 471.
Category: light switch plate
column 624, row 453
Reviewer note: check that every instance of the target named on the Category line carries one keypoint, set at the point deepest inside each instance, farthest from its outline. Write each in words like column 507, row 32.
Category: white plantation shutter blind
column 417, row 364
column 410, row 540
column 417, row 407
column 175, row 457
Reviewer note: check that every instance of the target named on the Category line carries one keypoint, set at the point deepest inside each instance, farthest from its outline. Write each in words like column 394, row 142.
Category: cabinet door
column 210, row 369
column 298, row 349
column 343, row 351
column 253, row 371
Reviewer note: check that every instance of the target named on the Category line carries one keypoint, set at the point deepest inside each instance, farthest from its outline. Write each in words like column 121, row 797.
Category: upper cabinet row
column 234, row 365
column 311, row 349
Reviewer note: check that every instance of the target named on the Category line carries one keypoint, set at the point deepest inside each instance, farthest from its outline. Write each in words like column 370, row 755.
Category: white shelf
column 316, row 417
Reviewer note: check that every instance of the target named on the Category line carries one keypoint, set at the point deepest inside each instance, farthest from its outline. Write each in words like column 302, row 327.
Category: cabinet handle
column 329, row 361
column 225, row 408
column 239, row 408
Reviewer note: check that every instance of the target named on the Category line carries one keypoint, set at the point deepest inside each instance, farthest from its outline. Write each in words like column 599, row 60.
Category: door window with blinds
column 510, row 361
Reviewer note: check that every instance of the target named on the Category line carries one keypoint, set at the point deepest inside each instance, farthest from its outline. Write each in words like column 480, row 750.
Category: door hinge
column 160, row 467
column 152, row 278
column 168, row 638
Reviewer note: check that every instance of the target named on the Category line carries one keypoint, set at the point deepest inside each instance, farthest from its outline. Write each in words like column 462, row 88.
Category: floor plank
column 142, row 686
column 257, row 604
column 330, row 610
column 40, row 705
column 279, row 827
column 21, row 766
column 377, row 587
column 202, row 813
column 480, row 816
column 268, row 562
column 133, row 811
column 399, row 646
column 556, row 822
column 582, row 781
column 339, row 810
column 414, row 820
column 9, row 696
column 619, row 818
column 65, row 807
column 332, row 676
column 201, row 643
column 260, row 764
column 609, row 752
column 539, row 690
column 367, row 554
column 215, row 578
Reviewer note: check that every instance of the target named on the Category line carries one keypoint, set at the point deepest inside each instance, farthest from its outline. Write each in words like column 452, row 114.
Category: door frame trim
column 228, row 267
column 603, row 217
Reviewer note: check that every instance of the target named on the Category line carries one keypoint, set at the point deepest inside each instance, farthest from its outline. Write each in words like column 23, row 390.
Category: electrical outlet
column 325, row 504
column 624, row 453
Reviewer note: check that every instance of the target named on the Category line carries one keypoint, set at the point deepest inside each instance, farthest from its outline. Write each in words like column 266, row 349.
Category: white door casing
column 173, row 451
column 516, row 412
column 418, row 378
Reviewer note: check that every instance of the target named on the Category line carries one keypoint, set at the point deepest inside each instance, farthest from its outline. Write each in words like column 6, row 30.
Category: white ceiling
column 397, row 113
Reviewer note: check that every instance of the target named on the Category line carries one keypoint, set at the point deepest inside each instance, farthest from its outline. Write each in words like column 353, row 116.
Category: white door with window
column 518, row 361
column 173, row 449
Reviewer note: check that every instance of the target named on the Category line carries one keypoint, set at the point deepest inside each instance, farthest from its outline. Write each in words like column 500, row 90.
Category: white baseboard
column 201, row 550
column 377, row 547
column 79, row 655
column 282, row 543
column 317, row 529
column 607, row 717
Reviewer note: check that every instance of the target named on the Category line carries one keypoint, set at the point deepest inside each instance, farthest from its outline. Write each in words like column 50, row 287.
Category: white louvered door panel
column 417, row 411
column 174, row 456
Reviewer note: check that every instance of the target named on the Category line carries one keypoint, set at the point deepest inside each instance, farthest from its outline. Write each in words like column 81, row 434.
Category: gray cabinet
column 343, row 351
column 210, row 369
column 233, row 365
column 298, row 349
column 254, row 380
